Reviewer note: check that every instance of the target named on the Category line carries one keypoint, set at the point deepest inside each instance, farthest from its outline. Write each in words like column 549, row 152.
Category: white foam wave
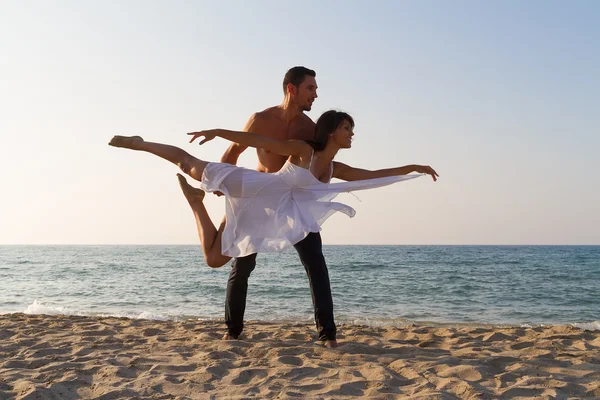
column 376, row 322
column 141, row 315
column 590, row 326
column 38, row 307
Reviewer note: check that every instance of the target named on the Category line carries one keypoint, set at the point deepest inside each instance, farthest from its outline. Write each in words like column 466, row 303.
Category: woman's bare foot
column 332, row 344
column 128, row 142
column 193, row 195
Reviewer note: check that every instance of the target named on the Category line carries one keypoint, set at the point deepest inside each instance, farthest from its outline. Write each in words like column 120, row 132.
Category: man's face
column 307, row 93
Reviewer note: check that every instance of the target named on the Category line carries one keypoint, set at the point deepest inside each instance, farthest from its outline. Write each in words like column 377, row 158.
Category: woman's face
column 343, row 135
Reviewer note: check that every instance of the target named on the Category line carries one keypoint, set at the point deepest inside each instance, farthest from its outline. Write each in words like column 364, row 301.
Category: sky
column 501, row 98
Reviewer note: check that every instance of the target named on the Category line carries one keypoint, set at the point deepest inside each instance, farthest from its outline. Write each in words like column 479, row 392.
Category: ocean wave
column 588, row 326
column 39, row 307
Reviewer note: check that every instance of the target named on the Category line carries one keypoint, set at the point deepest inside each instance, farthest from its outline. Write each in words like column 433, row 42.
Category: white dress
column 270, row 212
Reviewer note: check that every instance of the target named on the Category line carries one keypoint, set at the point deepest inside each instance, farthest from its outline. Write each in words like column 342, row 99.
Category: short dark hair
column 296, row 76
column 327, row 123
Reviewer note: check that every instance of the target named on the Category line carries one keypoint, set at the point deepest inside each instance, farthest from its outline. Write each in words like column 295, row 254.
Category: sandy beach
column 70, row 357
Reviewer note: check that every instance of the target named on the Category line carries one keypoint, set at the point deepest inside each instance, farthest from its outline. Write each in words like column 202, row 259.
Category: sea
column 371, row 285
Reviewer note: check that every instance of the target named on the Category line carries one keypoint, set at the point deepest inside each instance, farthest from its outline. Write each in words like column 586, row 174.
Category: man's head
column 300, row 85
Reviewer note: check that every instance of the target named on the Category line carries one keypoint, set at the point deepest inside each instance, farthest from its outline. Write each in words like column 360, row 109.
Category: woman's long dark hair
column 327, row 123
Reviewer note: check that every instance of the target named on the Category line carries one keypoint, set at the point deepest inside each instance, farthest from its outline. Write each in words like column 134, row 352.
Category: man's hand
column 207, row 135
column 426, row 169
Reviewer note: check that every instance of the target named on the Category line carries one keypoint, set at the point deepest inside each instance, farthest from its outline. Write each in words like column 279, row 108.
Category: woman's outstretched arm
column 296, row 148
column 348, row 173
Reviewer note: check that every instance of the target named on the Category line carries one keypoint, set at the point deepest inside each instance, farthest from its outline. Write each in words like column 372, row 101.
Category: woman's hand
column 426, row 169
column 208, row 135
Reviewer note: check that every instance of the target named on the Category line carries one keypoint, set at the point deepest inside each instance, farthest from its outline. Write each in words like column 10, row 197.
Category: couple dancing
column 283, row 203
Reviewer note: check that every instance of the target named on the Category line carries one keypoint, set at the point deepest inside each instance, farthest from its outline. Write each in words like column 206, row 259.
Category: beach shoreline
column 69, row 357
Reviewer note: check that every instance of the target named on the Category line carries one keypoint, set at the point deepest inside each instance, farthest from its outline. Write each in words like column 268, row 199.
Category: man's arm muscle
column 233, row 152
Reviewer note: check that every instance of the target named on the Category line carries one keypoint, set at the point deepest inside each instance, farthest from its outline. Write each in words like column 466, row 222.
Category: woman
column 271, row 212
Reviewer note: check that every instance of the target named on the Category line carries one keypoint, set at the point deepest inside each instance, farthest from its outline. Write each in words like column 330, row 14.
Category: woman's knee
column 186, row 164
column 216, row 261
column 192, row 167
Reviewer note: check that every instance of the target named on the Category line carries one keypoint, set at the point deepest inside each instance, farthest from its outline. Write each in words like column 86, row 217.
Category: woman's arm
column 284, row 147
column 348, row 173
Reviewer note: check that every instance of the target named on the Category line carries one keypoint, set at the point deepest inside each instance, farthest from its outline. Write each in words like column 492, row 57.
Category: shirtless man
column 286, row 121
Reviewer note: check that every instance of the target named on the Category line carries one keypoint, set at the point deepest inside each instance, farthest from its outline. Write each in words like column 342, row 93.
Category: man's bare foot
column 193, row 195
column 227, row 336
column 332, row 344
column 128, row 142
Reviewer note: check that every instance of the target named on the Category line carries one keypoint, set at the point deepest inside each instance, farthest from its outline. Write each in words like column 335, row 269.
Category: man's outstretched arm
column 233, row 152
column 348, row 173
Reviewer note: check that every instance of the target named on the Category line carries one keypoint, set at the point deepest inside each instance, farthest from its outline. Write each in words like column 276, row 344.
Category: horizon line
column 330, row 245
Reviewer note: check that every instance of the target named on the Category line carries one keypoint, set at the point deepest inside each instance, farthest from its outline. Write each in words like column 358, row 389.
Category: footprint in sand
column 304, row 372
column 464, row 372
column 249, row 375
column 290, row 360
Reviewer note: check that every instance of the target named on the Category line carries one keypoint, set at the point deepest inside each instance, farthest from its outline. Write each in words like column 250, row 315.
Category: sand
column 72, row 357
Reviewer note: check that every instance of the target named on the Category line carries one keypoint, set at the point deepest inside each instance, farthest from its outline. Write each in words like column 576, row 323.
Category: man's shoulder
column 263, row 121
column 267, row 114
column 274, row 113
column 306, row 120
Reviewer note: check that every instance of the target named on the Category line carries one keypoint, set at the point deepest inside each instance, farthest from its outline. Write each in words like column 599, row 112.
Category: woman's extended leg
column 186, row 162
column 210, row 237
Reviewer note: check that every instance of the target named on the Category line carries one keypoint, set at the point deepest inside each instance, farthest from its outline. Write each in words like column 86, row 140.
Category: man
column 286, row 121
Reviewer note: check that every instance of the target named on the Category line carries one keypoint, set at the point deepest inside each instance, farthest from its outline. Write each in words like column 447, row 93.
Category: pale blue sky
column 500, row 97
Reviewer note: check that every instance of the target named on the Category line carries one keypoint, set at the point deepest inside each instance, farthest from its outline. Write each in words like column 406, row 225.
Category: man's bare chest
column 294, row 132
